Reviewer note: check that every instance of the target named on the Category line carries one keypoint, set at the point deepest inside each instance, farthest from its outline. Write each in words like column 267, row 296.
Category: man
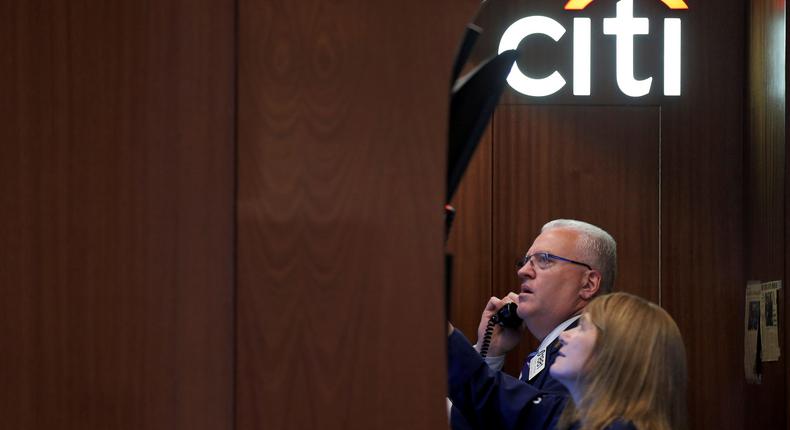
column 568, row 264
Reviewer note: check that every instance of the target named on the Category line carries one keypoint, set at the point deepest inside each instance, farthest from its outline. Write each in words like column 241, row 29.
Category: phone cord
column 487, row 336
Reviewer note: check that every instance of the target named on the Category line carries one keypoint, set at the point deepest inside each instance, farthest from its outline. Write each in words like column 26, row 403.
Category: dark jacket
column 489, row 399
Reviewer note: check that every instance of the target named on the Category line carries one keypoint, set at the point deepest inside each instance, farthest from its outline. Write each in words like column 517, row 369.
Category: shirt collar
column 556, row 332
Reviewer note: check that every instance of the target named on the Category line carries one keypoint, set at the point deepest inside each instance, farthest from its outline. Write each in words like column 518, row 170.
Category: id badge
column 537, row 363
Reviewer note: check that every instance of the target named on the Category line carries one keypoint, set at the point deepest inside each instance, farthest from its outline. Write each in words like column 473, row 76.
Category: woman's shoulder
column 617, row 424
column 621, row 425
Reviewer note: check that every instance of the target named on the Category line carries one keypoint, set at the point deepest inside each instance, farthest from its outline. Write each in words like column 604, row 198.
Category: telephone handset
column 507, row 317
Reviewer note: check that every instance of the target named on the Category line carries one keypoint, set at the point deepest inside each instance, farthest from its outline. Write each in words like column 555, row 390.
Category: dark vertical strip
column 235, row 263
column 660, row 173
column 491, row 204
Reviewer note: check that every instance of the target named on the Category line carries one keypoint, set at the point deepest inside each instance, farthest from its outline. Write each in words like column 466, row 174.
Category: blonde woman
column 624, row 366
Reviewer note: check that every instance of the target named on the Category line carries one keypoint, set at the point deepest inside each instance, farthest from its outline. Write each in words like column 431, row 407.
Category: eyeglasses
column 544, row 260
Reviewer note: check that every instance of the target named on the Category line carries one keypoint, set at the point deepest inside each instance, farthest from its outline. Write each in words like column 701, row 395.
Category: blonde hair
column 636, row 371
column 596, row 244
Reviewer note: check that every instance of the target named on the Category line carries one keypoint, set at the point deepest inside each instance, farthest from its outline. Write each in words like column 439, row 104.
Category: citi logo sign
column 624, row 27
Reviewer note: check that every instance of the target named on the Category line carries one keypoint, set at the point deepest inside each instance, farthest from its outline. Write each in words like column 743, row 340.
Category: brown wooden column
column 116, row 215
column 764, row 194
column 342, row 137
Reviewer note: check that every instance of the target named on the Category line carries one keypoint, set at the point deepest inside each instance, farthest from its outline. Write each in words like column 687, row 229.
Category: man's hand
column 503, row 340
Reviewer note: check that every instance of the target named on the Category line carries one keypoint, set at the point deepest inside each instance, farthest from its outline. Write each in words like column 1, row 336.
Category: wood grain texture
column 116, row 215
column 702, row 219
column 764, row 190
column 342, row 134
column 597, row 164
column 786, row 277
column 470, row 241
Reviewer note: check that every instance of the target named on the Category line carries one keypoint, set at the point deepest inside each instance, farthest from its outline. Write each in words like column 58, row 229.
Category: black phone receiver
column 507, row 316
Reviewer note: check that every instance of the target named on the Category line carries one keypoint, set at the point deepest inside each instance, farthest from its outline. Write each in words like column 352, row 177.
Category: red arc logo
column 581, row 4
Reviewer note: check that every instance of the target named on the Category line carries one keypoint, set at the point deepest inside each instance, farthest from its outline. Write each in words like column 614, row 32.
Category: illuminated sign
column 624, row 26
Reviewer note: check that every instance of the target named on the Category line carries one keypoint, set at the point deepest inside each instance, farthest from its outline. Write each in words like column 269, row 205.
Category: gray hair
column 595, row 243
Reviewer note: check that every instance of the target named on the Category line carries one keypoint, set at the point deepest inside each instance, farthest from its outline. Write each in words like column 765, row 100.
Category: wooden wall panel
column 764, row 187
column 702, row 220
column 342, row 134
column 470, row 242
column 116, row 215
column 786, row 277
column 597, row 164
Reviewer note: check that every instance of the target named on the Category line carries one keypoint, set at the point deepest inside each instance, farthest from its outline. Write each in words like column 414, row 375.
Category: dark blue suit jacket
column 487, row 398
column 492, row 399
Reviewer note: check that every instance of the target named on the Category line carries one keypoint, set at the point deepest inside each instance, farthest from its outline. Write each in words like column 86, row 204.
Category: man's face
column 552, row 294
